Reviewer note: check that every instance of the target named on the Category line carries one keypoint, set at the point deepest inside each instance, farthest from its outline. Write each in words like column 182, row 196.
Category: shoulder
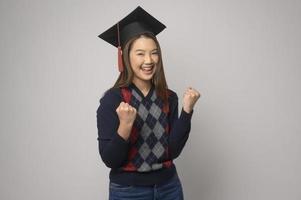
column 111, row 96
column 172, row 99
column 172, row 95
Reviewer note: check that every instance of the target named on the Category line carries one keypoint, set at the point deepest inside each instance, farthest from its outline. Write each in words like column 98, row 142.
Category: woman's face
column 144, row 57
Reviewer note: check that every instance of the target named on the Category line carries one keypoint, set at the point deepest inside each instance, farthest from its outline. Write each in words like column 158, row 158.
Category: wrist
column 127, row 125
column 187, row 110
column 124, row 130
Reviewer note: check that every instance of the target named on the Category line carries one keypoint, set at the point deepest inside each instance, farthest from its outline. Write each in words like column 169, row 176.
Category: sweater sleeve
column 113, row 148
column 179, row 127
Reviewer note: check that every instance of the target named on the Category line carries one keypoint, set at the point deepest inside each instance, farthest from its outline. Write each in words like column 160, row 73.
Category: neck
column 143, row 86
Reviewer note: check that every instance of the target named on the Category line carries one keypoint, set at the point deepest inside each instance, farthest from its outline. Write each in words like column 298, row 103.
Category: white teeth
column 147, row 68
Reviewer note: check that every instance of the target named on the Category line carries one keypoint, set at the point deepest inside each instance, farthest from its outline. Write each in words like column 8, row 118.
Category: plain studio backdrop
column 243, row 56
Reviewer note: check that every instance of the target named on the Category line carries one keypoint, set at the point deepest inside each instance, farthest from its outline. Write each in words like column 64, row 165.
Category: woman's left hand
column 190, row 98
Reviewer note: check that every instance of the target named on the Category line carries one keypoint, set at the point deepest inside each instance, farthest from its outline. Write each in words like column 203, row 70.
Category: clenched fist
column 190, row 98
column 127, row 115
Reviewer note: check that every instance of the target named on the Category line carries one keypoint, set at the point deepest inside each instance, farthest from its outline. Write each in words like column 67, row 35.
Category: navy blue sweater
column 114, row 149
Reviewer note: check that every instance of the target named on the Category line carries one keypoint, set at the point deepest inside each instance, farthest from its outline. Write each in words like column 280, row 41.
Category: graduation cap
column 137, row 22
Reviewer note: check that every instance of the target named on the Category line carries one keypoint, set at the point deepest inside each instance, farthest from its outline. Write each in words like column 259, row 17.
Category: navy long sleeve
column 180, row 127
column 112, row 147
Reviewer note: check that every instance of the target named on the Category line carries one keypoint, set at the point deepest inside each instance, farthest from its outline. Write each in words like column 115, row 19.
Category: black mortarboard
column 135, row 23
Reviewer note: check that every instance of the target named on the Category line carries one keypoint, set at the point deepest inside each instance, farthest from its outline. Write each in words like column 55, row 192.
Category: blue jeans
column 171, row 190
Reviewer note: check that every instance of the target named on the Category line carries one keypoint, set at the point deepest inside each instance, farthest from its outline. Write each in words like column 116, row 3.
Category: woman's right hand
column 127, row 115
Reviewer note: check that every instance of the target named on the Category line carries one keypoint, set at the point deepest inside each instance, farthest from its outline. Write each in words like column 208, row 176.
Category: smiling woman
column 142, row 54
column 139, row 131
column 143, row 58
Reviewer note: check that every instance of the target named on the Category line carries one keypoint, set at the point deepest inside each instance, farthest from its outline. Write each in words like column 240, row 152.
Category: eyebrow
column 144, row 50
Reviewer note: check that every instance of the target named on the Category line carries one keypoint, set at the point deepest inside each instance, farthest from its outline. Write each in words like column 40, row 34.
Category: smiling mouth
column 148, row 68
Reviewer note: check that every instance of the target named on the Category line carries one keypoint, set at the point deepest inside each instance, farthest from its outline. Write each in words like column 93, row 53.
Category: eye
column 140, row 54
column 155, row 53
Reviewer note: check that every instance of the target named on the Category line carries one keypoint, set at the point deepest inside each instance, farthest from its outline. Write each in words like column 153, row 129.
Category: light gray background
column 242, row 55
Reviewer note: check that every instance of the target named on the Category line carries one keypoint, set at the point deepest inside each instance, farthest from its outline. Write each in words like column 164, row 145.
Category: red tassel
column 120, row 62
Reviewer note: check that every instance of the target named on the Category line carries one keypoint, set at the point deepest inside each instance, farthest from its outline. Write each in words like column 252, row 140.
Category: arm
column 113, row 148
column 179, row 128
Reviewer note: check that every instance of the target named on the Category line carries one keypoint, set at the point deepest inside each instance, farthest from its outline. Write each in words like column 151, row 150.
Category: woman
column 139, row 131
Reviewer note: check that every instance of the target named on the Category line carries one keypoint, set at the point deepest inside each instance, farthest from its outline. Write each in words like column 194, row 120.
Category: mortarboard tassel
column 120, row 62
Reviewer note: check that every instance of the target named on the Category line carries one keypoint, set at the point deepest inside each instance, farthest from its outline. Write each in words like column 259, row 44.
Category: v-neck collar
column 150, row 92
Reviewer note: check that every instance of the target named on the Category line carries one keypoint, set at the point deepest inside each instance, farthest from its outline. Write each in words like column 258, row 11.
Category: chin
column 146, row 78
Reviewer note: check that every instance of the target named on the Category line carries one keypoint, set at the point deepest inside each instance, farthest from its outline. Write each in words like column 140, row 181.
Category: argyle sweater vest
column 149, row 136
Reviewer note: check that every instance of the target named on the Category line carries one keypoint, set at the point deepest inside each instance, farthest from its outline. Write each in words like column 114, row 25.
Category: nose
column 148, row 59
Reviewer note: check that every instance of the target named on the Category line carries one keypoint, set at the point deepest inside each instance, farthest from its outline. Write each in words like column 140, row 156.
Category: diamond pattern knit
column 149, row 136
